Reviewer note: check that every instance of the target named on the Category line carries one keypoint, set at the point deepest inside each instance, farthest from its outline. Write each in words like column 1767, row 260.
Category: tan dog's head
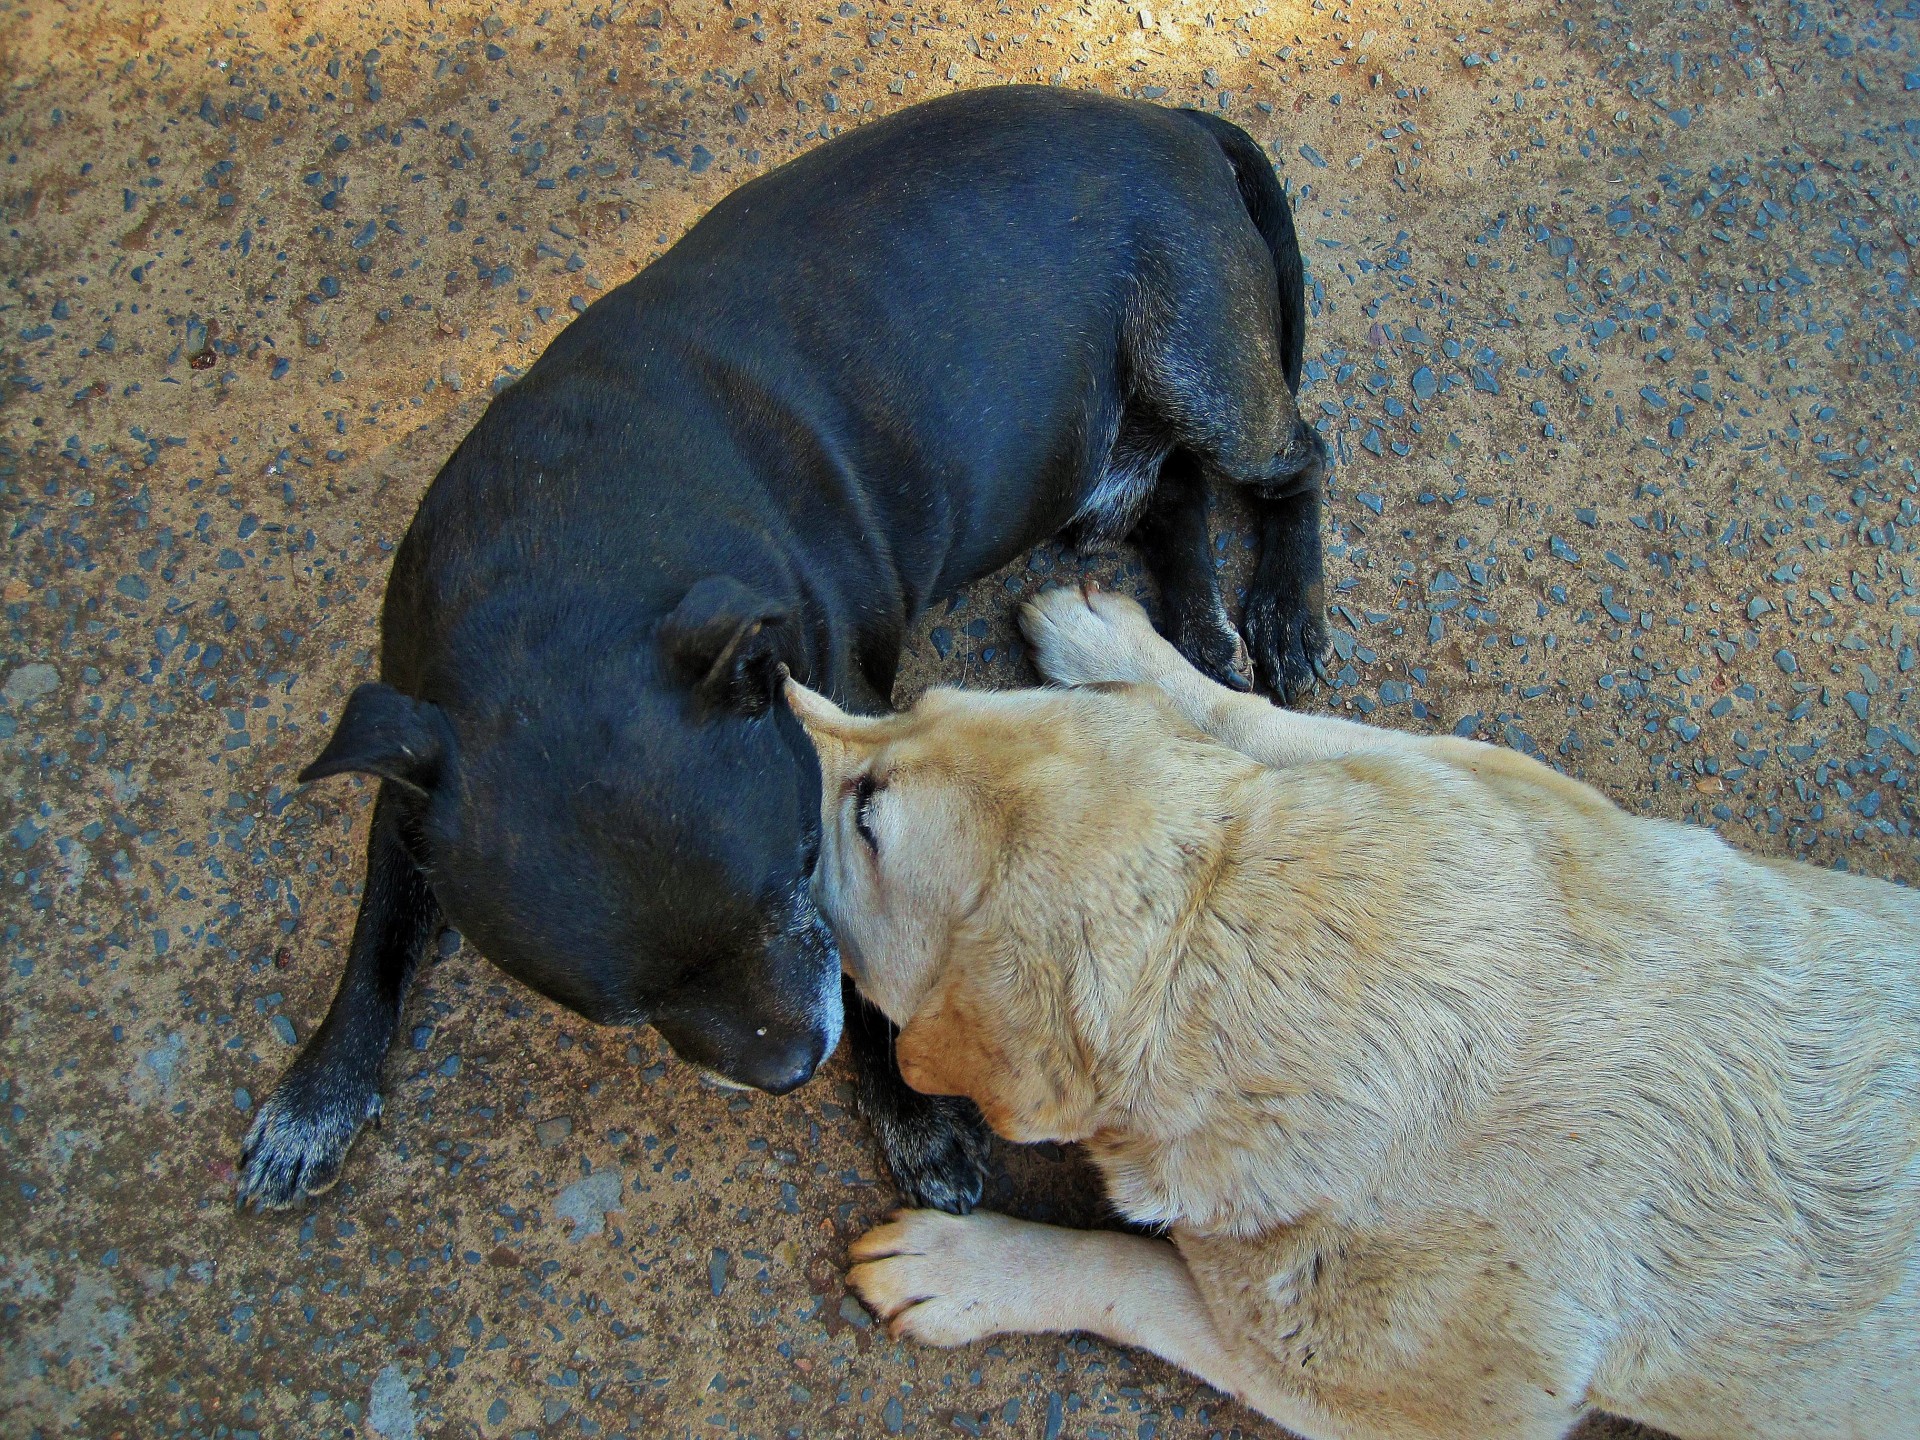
column 941, row 831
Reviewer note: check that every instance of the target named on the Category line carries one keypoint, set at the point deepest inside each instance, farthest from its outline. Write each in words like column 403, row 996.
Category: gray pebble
column 30, row 683
column 390, row 1406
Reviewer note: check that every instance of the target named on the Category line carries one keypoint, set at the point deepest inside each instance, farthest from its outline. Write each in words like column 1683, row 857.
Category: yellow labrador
column 1471, row 1102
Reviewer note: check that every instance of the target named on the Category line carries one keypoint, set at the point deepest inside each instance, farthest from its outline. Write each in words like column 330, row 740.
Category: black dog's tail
column 1267, row 206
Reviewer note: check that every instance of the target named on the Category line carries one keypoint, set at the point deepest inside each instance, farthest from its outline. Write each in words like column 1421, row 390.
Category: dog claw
column 298, row 1142
column 1240, row 674
column 1214, row 648
column 937, row 1151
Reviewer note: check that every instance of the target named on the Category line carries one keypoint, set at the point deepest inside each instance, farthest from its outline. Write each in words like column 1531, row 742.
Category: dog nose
column 780, row 1068
column 775, row 1059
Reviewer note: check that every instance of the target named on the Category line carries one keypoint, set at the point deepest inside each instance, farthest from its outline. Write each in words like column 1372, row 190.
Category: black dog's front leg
column 935, row 1145
column 302, row 1132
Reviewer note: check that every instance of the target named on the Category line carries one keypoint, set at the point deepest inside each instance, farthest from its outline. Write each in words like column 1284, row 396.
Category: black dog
column 878, row 373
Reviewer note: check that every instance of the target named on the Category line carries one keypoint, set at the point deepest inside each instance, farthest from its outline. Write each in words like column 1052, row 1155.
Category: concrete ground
column 1613, row 331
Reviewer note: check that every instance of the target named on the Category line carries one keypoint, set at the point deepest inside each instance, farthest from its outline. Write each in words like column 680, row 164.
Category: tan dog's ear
column 952, row 1046
column 829, row 727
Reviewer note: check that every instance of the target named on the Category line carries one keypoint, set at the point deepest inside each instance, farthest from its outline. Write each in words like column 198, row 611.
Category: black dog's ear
column 728, row 642
column 387, row 734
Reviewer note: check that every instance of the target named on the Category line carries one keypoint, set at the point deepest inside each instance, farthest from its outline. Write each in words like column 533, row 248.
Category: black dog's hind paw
column 299, row 1140
column 1288, row 643
column 1213, row 647
column 936, row 1146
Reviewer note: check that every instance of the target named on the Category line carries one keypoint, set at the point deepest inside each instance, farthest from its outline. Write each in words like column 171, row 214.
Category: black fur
column 1177, row 544
column 299, row 1138
column 862, row 381
column 1285, row 620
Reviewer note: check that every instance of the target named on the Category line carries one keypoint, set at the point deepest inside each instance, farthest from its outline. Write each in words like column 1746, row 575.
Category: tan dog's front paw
column 1085, row 636
column 943, row 1279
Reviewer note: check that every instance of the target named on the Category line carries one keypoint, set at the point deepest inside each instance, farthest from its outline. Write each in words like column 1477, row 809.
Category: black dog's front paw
column 936, row 1146
column 1288, row 640
column 299, row 1139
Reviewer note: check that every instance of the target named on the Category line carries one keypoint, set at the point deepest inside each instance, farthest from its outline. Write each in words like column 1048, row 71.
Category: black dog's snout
column 787, row 1067
column 743, row 1048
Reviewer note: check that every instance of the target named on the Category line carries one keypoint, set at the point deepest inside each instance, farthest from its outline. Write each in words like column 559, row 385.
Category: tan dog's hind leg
column 951, row 1279
column 1089, row 637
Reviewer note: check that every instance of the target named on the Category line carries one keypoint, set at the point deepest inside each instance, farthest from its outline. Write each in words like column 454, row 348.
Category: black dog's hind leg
column 935, row 1145
column 302, row 1132
column 1286, row 611
column 1174, row 539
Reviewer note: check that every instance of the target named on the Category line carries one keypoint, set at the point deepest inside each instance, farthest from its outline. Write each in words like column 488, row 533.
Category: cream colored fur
column 1471, row 1102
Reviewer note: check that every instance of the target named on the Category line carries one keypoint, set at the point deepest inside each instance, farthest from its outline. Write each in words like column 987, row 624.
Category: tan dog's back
column 1631, row 1109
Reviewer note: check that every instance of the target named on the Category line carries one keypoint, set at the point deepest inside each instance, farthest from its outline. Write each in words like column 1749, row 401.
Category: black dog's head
column 631, row 838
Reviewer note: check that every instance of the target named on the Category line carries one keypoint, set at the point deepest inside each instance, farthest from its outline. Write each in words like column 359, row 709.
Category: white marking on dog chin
column 824, row 1010
column 831, row 1011
column 828, row 1012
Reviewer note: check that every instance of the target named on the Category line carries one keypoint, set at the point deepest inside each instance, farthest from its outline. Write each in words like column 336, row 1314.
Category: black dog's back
column 969, row 267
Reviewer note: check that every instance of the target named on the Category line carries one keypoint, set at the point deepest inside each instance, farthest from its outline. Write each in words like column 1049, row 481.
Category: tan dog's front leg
column 951, row 1279
column 1084, row 636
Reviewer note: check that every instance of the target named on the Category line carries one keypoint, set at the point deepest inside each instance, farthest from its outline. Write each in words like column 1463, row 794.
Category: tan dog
column 1473, row 1103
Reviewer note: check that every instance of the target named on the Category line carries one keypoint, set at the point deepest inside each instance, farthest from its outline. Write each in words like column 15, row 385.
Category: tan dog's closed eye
column 1472, row 1103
